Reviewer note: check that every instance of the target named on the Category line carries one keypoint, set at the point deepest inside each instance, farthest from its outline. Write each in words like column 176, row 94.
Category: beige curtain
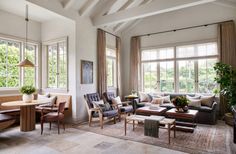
column 227, row 51
column 134, row 63
column 101, row 51
column 118, row 46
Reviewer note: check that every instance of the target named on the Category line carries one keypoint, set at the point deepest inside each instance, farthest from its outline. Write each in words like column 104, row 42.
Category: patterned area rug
column 205, row 139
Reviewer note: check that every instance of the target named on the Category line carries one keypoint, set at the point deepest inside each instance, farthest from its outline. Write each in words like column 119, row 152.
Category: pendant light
column 26, row 62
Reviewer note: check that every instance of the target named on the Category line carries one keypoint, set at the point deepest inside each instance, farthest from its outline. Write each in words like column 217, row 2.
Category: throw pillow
column 194, row 102
column 166, row 99
column 51, row 102
column 207, row 100
column 116, row 100
column 157, row 101
column 193, row 97
column 144, row 97
column 98, row 103
column 42, row 96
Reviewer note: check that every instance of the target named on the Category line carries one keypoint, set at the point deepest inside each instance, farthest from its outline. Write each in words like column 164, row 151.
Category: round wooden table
column 27, row 112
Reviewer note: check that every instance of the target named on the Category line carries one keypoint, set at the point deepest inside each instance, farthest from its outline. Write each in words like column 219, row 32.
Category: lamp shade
column 26, row 63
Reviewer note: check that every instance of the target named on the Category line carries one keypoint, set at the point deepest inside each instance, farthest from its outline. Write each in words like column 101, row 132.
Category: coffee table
column 169, row 124
column 147, row 111
column 184, row 126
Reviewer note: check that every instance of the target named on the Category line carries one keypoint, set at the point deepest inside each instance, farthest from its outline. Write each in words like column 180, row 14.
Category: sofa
column 206, row 114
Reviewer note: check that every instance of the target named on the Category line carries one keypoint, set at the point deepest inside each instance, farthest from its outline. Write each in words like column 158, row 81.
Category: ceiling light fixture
column 26, row 62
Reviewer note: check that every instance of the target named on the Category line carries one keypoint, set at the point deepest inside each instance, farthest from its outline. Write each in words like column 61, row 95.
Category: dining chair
column 54, row 117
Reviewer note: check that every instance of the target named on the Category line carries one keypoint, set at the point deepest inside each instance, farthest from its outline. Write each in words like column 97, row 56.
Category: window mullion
column 57, row 55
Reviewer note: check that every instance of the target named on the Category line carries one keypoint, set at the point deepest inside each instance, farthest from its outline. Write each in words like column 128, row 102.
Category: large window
column 184, row 69
column 57, row 64
column 11, row 53
column 111, row 67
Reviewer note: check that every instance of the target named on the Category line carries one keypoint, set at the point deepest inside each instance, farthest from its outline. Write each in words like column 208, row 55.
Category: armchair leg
column 64, row 125
column 90, row 120
column 58, row 126
column 101, row 121
column 114, row 120
column 50, row 125
column 41, row 127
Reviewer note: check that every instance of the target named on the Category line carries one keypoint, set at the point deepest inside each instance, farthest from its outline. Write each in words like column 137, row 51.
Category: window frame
column 45, row 46
column 114, row 67
column 175, row 60
column 21, row 41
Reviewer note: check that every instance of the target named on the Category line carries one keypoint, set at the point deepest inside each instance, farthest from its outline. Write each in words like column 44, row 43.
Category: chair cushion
column 110, row 113
column 116, row 100
column 202, row 108
column 144, row 97
column 126, row 109
column 167, row 105
column 51, row 116
column 9, row 111
column 92, row 97
column 207, row 100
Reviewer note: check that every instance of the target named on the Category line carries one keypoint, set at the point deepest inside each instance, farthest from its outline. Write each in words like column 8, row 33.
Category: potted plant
column 226, row 78
column 180, row 103
column 27, row 92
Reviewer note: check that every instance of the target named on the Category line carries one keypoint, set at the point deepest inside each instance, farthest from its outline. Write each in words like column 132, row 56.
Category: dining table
column 27, row 112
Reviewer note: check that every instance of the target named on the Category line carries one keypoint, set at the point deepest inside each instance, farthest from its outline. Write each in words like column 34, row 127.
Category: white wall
column 14, row 25
column 55, row 29
column 198, row 15
column 86, row 47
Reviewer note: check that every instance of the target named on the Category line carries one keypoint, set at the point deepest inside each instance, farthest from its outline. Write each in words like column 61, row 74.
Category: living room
column 159, row 56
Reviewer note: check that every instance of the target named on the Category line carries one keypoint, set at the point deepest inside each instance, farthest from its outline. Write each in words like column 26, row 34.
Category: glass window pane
column 62, row 77
column 186, row 76
column 149, row 77
column 167, row 76
column 29, row 73
column 52, row 66
column 166, row 53
column 149, row 54
column 206, row 75
column 109, row 73
column 185, row 51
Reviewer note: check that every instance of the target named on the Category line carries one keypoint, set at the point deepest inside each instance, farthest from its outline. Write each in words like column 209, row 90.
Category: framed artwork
column 86, row 72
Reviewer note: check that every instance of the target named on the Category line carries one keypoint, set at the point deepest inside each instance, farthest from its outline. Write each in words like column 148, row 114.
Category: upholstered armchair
column 124, row 108
column 99, row 112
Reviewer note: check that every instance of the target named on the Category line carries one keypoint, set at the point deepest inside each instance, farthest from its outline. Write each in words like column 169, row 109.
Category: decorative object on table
column 133, row 92
column 180, row 103
column 26, row 62
column 86, row 72
column 27, row 92
column 226, row 77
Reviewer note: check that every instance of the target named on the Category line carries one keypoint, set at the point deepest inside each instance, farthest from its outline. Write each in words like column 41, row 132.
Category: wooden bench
column 6, row 121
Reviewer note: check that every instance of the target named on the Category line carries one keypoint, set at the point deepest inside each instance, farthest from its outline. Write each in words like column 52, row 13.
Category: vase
column 181, row 108
column 27, row 98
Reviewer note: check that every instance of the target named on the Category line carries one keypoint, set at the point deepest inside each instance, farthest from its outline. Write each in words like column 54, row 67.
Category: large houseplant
column 226, row 77
column 27, row 92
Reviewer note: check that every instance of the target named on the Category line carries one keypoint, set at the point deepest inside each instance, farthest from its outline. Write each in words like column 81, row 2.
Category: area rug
column 205, row 138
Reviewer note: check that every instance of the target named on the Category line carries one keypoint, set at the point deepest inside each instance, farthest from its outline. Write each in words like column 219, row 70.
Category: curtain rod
column 174, row 30
column 109, row 33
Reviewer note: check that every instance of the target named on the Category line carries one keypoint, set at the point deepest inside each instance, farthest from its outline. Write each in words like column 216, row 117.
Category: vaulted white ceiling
column 117, row 15
column 113, row 15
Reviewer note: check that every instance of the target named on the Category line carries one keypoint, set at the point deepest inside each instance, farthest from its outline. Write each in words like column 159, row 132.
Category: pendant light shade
column 26, row 62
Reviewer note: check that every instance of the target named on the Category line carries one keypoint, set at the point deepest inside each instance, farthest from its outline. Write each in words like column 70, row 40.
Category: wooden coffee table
column 167, row 123
column 184, row 126
column 147, row 111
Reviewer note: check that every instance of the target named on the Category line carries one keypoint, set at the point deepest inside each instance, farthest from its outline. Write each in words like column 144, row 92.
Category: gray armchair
column 99, row 112
column 124, row 108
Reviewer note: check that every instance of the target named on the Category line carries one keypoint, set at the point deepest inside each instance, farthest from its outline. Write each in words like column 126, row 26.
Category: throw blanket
column 151, row 128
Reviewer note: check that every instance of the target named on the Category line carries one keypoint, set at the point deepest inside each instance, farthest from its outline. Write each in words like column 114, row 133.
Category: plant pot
column 27, row 98
column 229, row 119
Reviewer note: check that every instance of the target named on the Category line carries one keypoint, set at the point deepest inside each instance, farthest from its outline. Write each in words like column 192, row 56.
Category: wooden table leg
column 169, row 133
column 125, row 125
column 133, row 125
column 27, row 118
column 174, row 129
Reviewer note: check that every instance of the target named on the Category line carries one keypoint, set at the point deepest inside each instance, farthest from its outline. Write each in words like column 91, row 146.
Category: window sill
column 55, row 90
